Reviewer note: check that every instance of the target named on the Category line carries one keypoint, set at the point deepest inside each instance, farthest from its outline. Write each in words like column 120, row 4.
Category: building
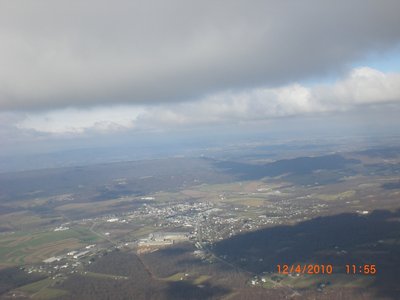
column 81, row 254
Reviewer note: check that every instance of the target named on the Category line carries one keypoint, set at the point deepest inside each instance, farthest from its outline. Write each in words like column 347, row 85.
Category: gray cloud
column 362, row 87
column 82, row 53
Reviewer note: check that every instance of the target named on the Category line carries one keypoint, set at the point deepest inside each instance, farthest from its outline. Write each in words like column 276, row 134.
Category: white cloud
column 362, row 86
column 80, row 120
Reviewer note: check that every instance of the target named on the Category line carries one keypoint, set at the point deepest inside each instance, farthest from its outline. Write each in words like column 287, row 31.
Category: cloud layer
column 57, row 54
column 361, row 87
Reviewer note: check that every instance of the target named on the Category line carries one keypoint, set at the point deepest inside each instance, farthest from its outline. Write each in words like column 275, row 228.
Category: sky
column 86, row 70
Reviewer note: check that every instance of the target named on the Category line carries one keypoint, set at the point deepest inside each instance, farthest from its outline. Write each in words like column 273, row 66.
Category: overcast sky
column 82, row 67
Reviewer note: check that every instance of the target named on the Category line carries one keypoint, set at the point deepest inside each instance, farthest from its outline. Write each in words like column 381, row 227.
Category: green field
column 311, row 281
column 176, row 277
column 30, row 247
column 333, row 197
column 201, row 279
column 42, row 289
column 24, row 220
column 104, row 276
column 181, row 276
column 36, row 286
column 49, row 293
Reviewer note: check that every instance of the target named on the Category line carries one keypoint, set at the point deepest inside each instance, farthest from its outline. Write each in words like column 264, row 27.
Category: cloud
column 361, row 87
column 57, row 54
column 77, row 121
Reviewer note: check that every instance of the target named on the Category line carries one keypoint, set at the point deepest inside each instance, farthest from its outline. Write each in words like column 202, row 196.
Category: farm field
column 116, row 239
column 43, row 289
column 33, row 247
